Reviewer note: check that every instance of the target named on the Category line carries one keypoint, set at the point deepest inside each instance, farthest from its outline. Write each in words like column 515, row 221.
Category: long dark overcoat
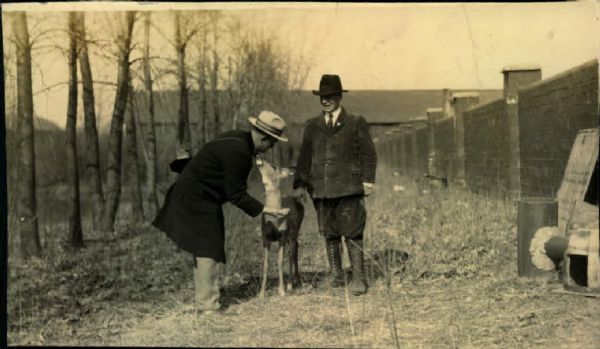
column 334, row 163
column 192, row 215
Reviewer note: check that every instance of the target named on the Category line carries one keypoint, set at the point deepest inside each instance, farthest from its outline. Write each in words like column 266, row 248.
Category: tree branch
column 65, row 83
column 172, row 43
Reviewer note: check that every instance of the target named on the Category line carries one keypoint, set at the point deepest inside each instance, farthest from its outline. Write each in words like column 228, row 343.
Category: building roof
column 386, row 106
column 377, row 106
column 464, row 94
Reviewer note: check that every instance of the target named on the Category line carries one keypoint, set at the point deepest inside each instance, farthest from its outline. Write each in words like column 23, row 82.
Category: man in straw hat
column 192, row 215
column 336, row 165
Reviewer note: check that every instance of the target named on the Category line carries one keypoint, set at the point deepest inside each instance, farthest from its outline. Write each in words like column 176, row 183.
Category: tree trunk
column 183, row 126
column 202, row 86
column 132, row 170
column 27, row 224
column 92, row 152
column 232, row 91
column 75, row 235
column 113, row 173
column 214, row 82
column 150, row 197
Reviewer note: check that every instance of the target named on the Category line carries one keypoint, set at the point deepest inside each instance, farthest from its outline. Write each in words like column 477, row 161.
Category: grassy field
column 459, row 287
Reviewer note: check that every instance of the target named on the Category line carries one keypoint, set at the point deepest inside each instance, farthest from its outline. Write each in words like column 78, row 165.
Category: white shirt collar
column 335, row 114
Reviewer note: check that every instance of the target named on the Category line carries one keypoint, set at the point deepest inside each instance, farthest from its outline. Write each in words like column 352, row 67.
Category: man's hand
column 282, row 212
column 276, row 218
column 300, row 193
column 369, row 188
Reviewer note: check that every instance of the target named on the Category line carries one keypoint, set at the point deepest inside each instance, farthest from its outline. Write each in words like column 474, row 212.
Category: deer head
column 270, row 177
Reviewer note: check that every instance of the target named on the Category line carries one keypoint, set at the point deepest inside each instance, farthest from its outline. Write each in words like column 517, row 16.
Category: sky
column 429, row 46
column 388, row 46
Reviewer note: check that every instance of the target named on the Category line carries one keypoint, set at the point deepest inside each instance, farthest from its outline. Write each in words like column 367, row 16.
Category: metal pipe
column 556, row 247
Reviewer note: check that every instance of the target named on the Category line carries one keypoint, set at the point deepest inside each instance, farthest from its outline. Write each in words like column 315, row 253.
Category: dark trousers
column 345, row 216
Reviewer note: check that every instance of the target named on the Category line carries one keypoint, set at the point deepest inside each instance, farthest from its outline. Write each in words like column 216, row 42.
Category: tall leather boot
column 206, row 285
column 335, row 262
column 358, row 285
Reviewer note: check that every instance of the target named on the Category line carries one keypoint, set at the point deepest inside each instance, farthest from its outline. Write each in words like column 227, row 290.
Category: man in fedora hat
column 192, row 215
column 336, row 165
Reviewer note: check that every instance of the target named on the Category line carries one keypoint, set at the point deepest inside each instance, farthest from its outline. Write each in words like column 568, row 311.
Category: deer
column 283, row 229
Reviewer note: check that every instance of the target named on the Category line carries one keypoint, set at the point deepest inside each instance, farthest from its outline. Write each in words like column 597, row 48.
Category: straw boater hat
column 330, row 85
column 270, row 123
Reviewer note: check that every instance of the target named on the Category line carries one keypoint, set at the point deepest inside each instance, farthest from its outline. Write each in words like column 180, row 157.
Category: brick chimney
column 447, row 103
column 515, row 77
column 433, row 115
column 461, row 101
column 464, row 100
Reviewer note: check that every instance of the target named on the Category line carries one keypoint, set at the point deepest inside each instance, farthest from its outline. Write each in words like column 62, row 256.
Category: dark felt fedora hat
column 329, row 85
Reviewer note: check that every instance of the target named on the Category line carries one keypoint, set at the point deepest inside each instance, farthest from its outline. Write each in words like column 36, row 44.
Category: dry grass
column 459, row 287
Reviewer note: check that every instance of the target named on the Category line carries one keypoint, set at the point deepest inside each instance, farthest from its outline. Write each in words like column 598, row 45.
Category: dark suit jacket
column 335, row 162
column 192, row 215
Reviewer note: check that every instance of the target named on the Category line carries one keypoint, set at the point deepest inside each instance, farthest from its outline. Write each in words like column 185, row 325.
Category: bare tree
column 202, row 87
column 237, row 80
column 183, row 126
column 131, row 164
column 257, row 77
column 260, row 75
column 27, row 225
column 75, row 235
column 186, row 27
column 7, row 153
column 113, row 175
column 92, row 150
column 150, row 197
column 10, row 103
column 214, row 80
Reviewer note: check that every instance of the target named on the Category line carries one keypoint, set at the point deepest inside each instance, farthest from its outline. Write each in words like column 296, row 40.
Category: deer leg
column 290, row 283
column 295, row 274
column 265, row 270
column 280, row 267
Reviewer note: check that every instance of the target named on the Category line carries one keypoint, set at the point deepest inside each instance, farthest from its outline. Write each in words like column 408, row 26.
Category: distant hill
column 375, row 105
column 50, row 151
column 385, row 105
column 39, row 124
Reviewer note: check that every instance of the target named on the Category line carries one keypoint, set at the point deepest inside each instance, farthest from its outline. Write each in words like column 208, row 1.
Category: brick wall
column 391, row 154
column 444, row 146
column 414, row 152
column 408, row 153
column 384, row 159
column 550, row 114
column 422, row 135
column 487, row 145
column 513, row 147
column 388, row 152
